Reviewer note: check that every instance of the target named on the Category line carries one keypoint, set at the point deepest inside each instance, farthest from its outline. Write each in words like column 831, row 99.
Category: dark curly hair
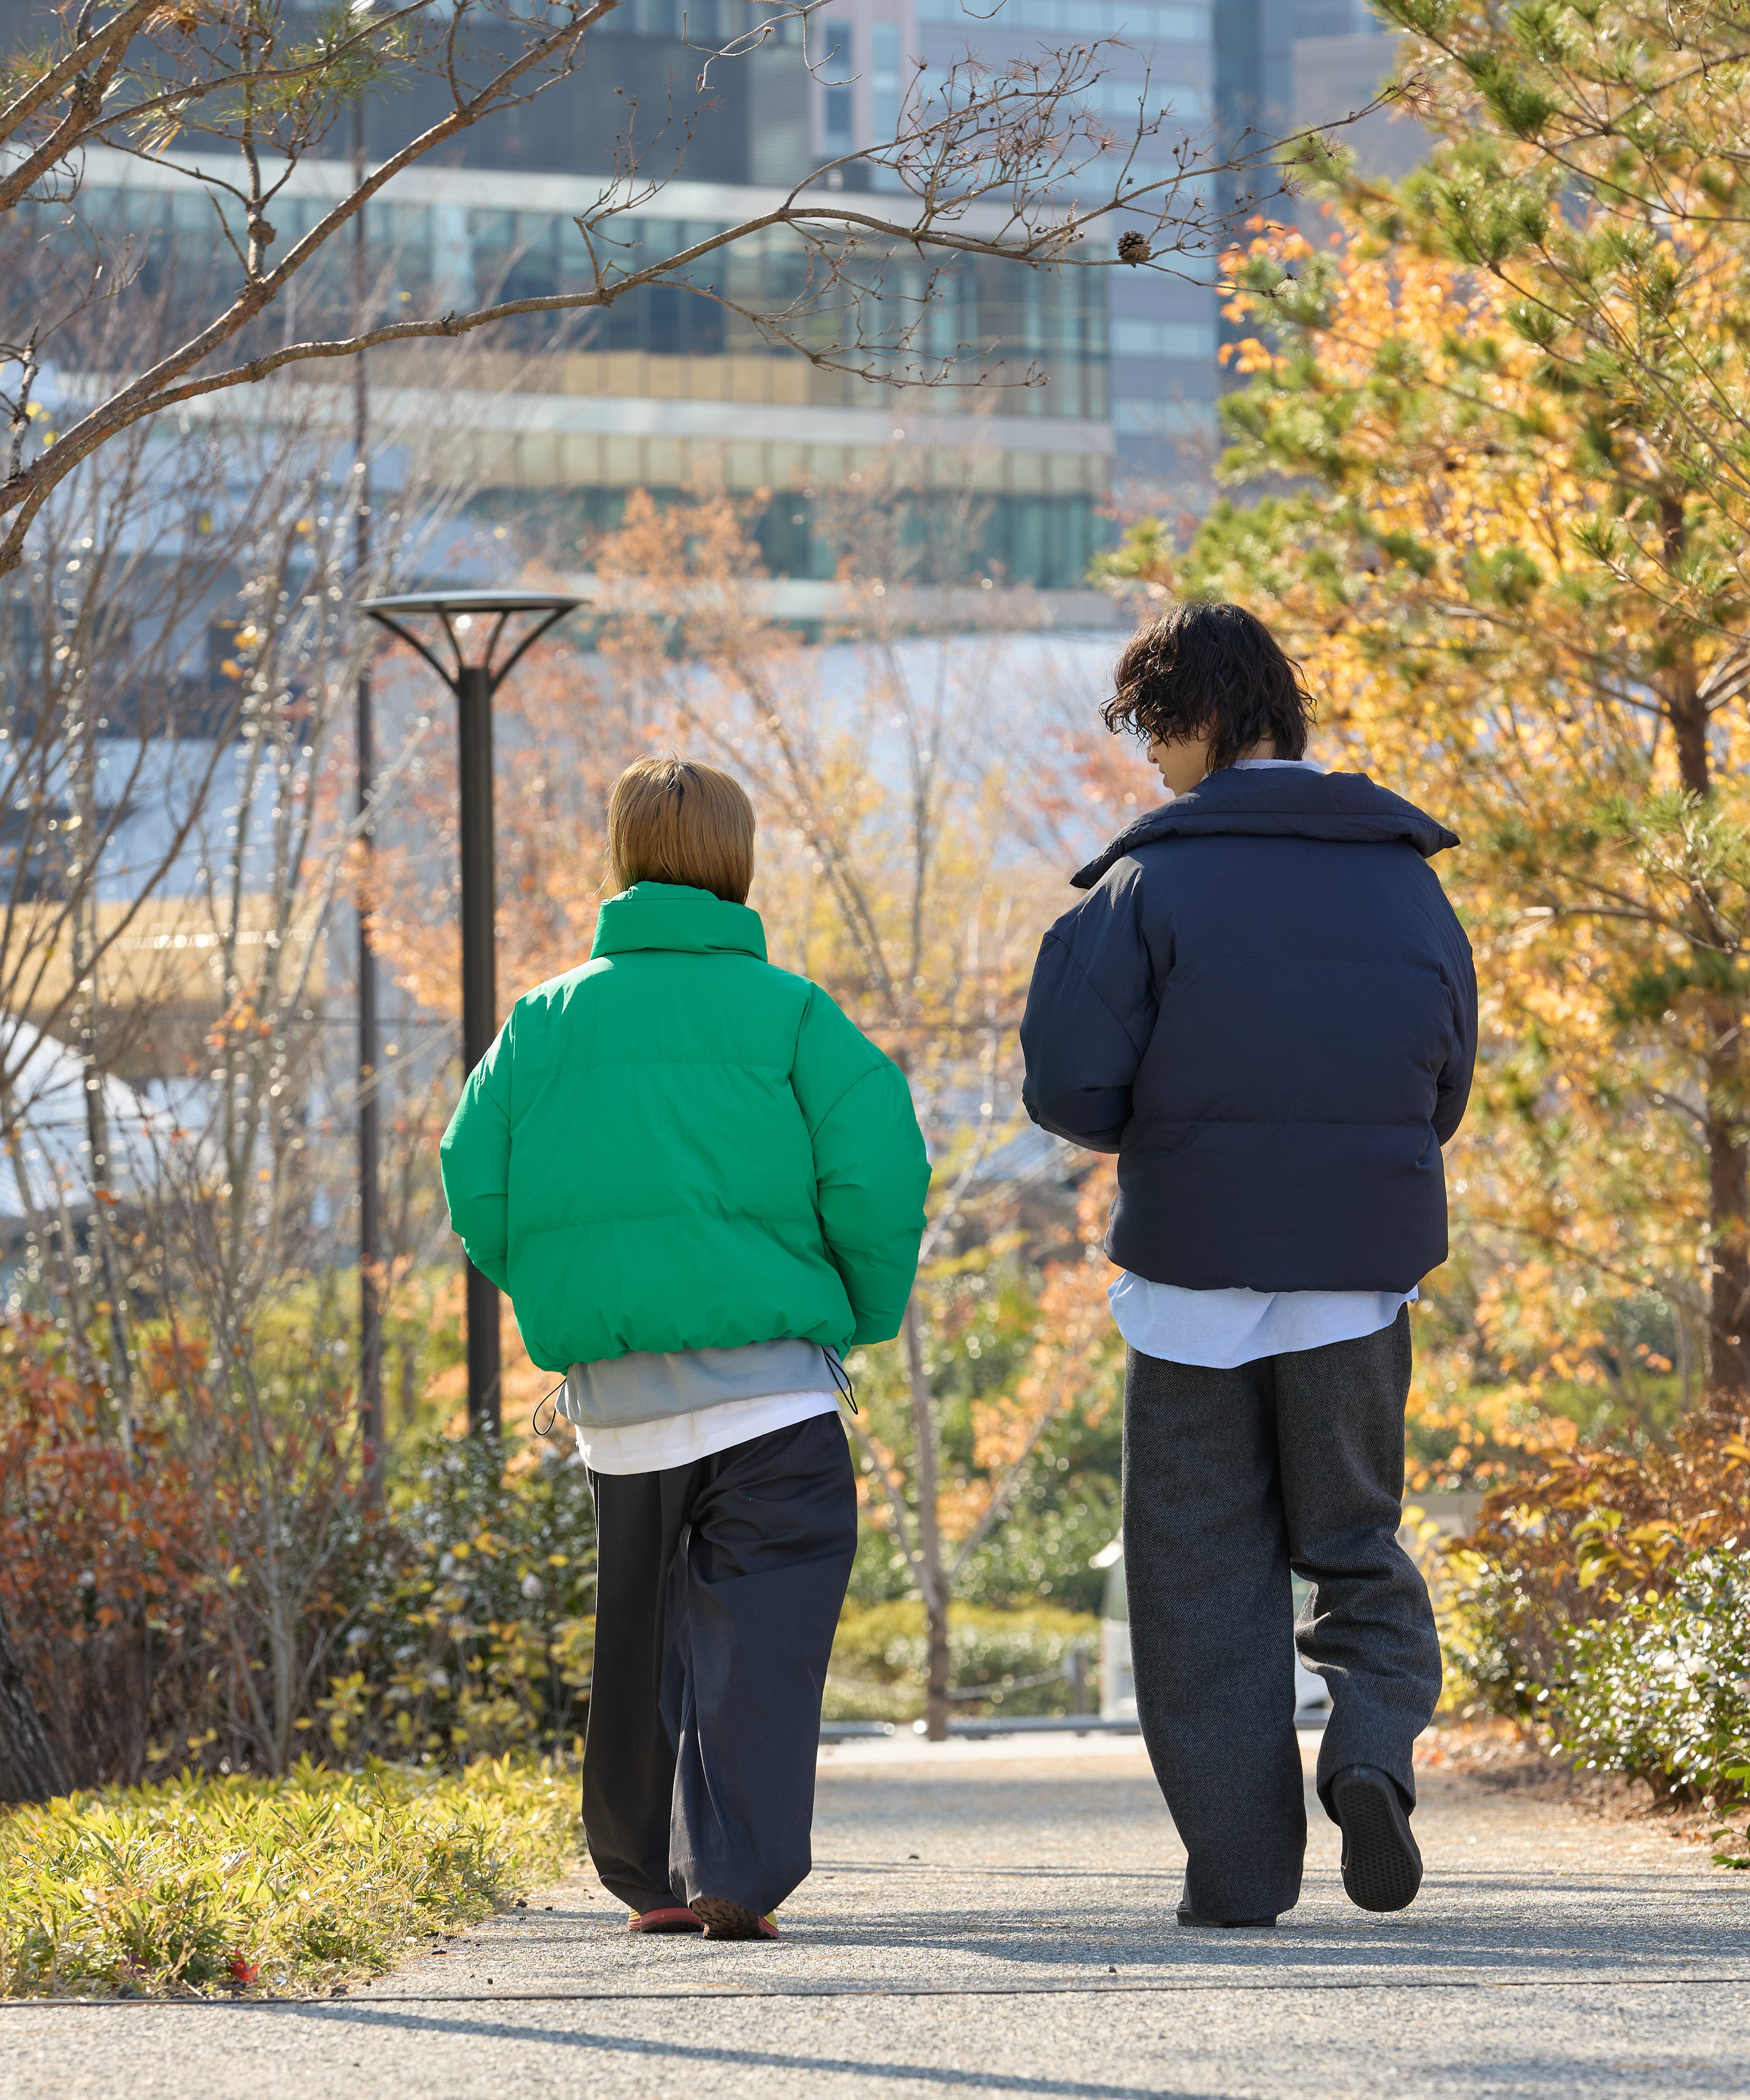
column 1216, row 667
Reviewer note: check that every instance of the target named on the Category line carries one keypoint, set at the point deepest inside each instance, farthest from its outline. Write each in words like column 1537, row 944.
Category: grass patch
column 289, row 1884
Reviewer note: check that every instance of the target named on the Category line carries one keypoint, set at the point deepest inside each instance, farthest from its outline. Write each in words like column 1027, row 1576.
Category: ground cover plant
column 1001, row 1661
column 1574, row 1544
column 292, row 1885
column 1604, row 1604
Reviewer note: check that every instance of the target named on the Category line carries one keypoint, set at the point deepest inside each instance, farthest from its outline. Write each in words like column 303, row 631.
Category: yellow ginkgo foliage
column 1529, row 617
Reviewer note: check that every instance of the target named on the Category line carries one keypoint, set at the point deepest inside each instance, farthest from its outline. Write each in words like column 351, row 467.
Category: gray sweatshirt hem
column 651, row 1386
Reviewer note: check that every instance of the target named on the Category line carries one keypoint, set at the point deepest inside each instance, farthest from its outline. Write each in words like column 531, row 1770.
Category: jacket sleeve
column 475, row 1158
column 1452, row 1088
column 1091, row 1011
column 871, row 1169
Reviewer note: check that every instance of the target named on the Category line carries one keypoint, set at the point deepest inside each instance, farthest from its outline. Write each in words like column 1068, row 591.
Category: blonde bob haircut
column 670, row 820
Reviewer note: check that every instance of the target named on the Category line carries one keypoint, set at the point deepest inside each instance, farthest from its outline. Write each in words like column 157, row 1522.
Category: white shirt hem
column 678, row 1439
column 1221, row 1330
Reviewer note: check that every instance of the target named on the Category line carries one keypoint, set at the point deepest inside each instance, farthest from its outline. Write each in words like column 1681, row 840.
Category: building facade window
column 838, row 67
column 885, row 96
column 1163, row 339
column 1152, row 418
column 1134, row 19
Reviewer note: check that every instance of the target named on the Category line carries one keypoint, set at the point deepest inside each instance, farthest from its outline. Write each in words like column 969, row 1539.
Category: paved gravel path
column 990, row 1918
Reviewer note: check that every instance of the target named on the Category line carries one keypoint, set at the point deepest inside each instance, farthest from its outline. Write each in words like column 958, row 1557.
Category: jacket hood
column 668, row 915
column 1286, row 802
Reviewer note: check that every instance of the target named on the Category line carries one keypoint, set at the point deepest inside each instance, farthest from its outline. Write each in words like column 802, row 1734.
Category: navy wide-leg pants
column 719, row 1586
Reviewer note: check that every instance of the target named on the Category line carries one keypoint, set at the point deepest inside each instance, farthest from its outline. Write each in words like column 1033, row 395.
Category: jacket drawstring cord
column 841, row 1377
column 552, row 1401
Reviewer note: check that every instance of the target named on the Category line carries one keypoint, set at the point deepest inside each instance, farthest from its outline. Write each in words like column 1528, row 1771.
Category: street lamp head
column 475, row 622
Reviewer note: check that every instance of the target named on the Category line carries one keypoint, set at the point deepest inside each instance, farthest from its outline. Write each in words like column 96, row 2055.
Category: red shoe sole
column 674, row 1919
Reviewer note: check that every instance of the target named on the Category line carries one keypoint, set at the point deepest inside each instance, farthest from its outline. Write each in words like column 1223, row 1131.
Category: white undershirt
column 1220, row 1329
column 677, row 1439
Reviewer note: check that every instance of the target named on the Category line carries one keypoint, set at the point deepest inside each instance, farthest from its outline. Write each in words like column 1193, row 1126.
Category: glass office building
column 667, row 388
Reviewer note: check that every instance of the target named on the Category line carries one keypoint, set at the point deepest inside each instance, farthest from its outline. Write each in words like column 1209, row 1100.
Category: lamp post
column 370, row 1099
column 463, row 615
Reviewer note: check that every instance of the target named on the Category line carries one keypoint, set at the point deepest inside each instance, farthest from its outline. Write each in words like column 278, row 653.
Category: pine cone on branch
column 1133, row 247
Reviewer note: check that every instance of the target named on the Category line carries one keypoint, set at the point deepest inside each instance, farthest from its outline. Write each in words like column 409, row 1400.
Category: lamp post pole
column 370, row 1092
column 473, row 684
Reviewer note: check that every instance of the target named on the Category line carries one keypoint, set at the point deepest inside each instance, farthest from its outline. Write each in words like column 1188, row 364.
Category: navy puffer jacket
column 1265, row 1007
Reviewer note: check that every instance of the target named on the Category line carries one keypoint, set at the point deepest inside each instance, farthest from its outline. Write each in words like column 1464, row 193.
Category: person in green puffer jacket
column 700, row 1183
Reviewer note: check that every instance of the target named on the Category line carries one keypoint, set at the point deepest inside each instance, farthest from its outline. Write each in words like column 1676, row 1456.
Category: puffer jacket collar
column 1281, row 802
column 668, row 915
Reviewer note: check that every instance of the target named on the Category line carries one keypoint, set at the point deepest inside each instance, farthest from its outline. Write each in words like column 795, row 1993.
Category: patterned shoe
column 724, row 1919
column 1381, row 1862
column 672, row 1918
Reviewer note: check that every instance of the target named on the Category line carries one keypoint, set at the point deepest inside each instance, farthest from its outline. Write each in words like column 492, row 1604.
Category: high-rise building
column 1340, row 54
column 1230, row 76
column 667, row 388
column 1156, row 63
column 1283, row 66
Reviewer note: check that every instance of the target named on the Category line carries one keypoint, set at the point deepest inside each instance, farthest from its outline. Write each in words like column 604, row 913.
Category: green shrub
column 473, row 1626
column 1569, row 1546
column 291, row 1883
column 1661, row 1691
column 1499, row 1635
column 999, row 1662
column 1045, row 1548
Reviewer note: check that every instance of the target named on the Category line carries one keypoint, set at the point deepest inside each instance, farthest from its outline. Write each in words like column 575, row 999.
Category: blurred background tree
column 1500, row 411
column 1496, row 420
column 895, row 816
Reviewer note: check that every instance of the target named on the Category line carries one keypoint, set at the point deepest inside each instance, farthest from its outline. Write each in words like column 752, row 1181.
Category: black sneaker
column 1382, row 1865
column 1223, row 1924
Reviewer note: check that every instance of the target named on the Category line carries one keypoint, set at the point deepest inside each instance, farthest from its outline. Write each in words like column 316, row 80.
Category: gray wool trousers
column 1232, row 1478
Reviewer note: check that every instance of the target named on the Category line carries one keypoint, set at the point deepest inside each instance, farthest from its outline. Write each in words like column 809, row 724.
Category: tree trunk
column 1728, row 1374
column 104, row 1246
column 936, row 1683
column 933, row 1583
column 1728, row 1227
column 85, row 973
column 30, row 1770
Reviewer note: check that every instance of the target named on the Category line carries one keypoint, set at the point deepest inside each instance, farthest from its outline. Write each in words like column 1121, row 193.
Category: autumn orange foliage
column 100, row 1565
column 1490, row 627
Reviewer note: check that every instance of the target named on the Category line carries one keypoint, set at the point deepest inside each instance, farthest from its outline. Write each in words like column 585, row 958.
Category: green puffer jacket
column 678, row 1147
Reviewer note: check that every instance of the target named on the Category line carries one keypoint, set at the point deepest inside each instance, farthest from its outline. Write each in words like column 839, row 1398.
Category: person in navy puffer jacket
column 1265, row 1007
